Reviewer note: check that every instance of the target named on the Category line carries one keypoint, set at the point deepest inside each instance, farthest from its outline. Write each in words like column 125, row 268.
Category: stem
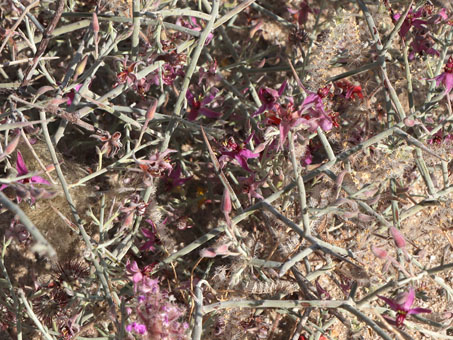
column 190, row 70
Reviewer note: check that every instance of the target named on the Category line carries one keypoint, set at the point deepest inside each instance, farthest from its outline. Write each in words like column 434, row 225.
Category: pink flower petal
column 38, row 179
column 20, row 165
column 410, row 297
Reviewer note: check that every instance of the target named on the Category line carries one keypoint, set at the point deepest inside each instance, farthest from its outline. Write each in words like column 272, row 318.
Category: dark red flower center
column 449, row 66
column 400, row 317
column 268, row 98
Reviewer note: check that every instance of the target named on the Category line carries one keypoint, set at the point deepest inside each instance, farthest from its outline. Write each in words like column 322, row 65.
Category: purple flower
column 269, row 98
column 149, row 244
column 148, row 285
column 289, row 118
column 422, row 44
column 404, row 308
column 198, row 106
column 437, row 18
column 446, row 78
column 142, row 283
column 194, row 25
column 231, row 150
column 311, row 114
column 286, row 117
column 174, row 179
column 22, row 171
column 138, row 328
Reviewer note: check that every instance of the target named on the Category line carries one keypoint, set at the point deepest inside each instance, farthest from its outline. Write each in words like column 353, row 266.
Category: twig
column 397, row 27
column 198, row 326
column 327, row 247
column 381, row 59
column 223, row 179
column 43, row 44
column 13, row 295
column 190, row 70
column 283, row 304
column 239, row 8
column 300, row 186
column 367, row 320
column 17, row 23
column 295, row 259
column 33, row 316
column 136, row 30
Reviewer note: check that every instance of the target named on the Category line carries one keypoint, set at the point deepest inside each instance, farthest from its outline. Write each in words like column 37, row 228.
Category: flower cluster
column 281, row 111
column 231, row 150
column 421, row 22
column 155, row 314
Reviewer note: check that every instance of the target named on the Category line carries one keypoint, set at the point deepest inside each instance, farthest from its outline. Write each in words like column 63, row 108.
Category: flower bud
column 398, row 238
column 226, row 202
column 379, row 252
column 95, row 23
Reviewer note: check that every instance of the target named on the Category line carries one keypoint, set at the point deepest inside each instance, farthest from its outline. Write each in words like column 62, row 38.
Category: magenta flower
column 112, row 143
column 126, row 76
column 174, row 179
column 311, row 114
column 446, row 78
column 404, row 308
column 194, row 25
column 269, row 98
column 149, row 244
column 152, row 310
column 137, row 328
column 422, row 44
column 439, row 17
column 231, row 151
column 139, row 277
column 22, row 171
column 72, row 93
column 286, row 117
column 348, row 90
column 198, row 106
column 156, row 165
column 301, row 15
column 250, row 186
column 134, row 272
column 411, row 20
column 307, row 158
column 313, row 108
column 439, row 137
column 170, row 71
column 210, row 76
